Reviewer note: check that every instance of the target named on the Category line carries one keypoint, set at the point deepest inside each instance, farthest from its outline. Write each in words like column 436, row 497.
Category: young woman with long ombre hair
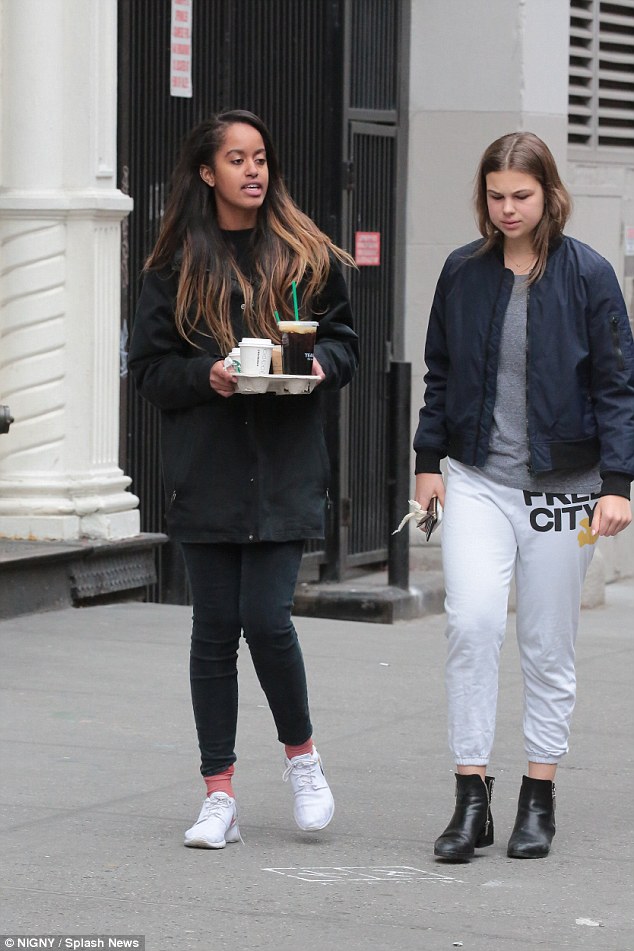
column 246, row 477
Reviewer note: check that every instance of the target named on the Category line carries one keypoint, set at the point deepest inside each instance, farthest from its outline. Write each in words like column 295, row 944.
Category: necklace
column 520, row 267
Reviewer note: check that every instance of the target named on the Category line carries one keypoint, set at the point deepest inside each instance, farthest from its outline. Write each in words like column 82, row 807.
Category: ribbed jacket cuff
column 427, row 460
column 616, row 483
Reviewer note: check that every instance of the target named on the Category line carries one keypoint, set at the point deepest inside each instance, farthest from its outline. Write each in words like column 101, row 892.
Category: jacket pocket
column 616, row 342
column 325, row 461
column 177, row 441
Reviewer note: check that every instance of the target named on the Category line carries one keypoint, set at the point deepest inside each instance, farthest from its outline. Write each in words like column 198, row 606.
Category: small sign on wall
column 629, row 240
column 181, row 49
column 367, row 248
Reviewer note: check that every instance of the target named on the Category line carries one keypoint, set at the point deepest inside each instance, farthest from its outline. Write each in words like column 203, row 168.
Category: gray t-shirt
column 507, row 462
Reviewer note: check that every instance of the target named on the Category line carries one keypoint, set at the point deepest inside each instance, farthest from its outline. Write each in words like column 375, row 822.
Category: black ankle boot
column 471, row 826
column 535, row 823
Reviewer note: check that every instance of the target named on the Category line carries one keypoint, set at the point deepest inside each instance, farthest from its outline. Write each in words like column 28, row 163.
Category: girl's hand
column 221, row 380
column 317, row 370
column 612, row 514
column 428, row 485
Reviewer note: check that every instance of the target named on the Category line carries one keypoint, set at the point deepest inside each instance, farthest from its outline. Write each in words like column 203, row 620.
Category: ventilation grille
column 601, row 79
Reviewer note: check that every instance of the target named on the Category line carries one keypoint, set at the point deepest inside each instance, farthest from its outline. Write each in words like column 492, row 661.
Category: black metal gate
column 286, row 61
column 372, row 150
column 375, row 139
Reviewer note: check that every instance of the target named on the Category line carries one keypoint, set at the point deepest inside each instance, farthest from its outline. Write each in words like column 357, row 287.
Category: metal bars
column 372, row 289
column 373, row 75
column 601, row 77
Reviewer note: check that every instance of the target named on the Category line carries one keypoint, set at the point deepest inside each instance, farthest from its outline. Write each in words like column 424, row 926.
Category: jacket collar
column 498, row 250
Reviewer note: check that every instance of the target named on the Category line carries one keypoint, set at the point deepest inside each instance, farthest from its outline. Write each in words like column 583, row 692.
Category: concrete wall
column 603, row 193
column 476, row 73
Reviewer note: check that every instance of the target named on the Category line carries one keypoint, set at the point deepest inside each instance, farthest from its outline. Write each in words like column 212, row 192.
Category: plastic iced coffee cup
column 298, row 345
column 255, row 356
column 276, row 359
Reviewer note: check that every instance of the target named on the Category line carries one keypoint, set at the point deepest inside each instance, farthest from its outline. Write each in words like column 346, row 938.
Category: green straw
column 277, row 316
column 294, row 289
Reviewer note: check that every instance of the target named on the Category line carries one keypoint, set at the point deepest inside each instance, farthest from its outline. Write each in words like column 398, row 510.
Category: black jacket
column 579, row 365
column 244, row 468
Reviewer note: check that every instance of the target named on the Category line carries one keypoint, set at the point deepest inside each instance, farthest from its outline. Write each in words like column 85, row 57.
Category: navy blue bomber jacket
column 579, row 364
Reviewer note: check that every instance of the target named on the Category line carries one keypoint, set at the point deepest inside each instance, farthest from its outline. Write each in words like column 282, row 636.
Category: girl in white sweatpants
column 530, row 397
column 545, row 540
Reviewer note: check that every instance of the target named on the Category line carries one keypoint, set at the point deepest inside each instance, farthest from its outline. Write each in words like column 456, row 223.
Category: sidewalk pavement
column 100, row 780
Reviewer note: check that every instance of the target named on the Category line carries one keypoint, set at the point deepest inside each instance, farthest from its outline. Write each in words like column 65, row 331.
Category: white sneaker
column 314, row 806
column 216, row 825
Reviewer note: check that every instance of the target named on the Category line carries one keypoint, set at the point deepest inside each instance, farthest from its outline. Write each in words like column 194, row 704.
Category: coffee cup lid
column 256, row 342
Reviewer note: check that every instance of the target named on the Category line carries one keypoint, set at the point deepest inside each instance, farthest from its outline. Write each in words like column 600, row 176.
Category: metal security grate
column 375, row 33
column 375, row 49
column 372, row 291
column 150, row 129
column 289, row 71
column 601, row 77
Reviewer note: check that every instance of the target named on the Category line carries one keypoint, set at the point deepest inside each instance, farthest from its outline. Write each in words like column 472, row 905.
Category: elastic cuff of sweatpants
column 472, row 761
column 544, row 760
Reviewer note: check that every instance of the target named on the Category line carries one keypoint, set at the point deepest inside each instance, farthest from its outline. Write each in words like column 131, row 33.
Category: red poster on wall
column 367, row 248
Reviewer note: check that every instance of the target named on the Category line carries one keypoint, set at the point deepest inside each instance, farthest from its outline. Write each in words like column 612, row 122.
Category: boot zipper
column 489, row 790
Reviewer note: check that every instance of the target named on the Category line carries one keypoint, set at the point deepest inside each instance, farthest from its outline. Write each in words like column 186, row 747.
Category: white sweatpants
column 488, row 532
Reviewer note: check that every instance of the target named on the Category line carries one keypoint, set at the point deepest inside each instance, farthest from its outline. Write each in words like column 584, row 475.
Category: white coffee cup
column 255, row 356
column 233, row 360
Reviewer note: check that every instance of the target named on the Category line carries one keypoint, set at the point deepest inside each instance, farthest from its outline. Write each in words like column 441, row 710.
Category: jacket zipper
column 618, row 353
column 528, row 437
column 484, row 369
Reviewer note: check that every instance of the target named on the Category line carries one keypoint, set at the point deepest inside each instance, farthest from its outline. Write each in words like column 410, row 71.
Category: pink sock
column 301, row 750
column 220, row 782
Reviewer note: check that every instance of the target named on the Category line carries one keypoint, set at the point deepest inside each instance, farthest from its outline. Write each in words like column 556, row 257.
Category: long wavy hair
column 524, row 152
column 287, row 245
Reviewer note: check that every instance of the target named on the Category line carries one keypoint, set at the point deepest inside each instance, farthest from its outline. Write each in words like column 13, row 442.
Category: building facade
column 472, row 70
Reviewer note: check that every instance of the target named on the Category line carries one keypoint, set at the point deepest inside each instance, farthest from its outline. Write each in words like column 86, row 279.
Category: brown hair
column 524, row 152
column 287, row 245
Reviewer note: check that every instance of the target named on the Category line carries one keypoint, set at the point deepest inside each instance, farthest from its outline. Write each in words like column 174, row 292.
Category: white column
column 60, row 214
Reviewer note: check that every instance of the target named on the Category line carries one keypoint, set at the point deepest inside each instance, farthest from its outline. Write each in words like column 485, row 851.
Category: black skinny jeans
column 245, row 588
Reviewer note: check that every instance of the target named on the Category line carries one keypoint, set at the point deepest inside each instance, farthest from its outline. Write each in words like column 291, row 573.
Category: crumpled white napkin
column 420, row 514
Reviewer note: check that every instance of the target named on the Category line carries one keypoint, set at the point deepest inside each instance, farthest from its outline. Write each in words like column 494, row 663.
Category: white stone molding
column 60, row 215
column 59, row 373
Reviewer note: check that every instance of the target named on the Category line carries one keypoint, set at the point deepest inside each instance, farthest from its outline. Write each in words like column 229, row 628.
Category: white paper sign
column 367, row 248
column 181, row 49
